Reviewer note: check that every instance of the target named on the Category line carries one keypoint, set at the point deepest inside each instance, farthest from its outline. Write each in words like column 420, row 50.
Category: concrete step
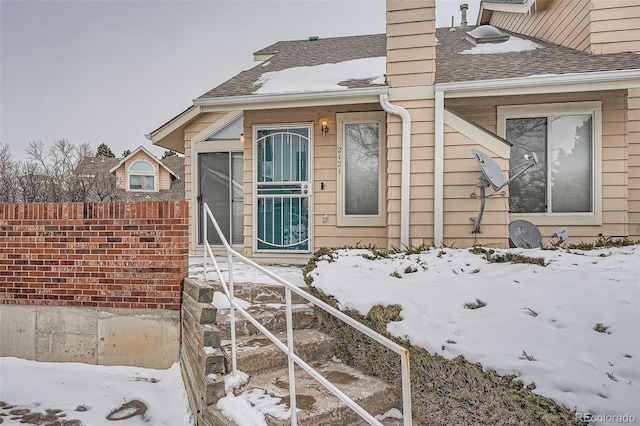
column 316, row 405
column 258, row 353
column 260, row 293
column 272, row 316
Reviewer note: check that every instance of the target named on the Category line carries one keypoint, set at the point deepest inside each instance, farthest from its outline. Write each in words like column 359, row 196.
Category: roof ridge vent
column 314, row 38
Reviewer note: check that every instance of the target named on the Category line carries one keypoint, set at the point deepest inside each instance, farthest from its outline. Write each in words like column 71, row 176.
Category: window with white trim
column 567, row 140
column 361, row 168
column 141, row 176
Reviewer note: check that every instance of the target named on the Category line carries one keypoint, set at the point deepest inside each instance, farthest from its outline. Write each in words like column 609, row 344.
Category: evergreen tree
column 104, row 151
column 126, row 153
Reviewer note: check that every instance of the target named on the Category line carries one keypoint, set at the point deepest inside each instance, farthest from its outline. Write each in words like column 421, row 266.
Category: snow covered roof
column 458, row 60
column 306, row 59
column 356, row 62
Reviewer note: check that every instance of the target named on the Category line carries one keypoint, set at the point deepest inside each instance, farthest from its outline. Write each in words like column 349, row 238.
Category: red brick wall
column 115, row 255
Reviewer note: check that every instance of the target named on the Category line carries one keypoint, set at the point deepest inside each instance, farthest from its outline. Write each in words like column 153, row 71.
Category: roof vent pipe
column 463, row 10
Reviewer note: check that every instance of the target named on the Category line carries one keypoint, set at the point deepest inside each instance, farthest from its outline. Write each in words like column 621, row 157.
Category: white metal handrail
column 293, row 359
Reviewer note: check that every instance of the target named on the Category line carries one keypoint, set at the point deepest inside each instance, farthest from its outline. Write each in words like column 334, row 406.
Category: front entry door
column 283, row 188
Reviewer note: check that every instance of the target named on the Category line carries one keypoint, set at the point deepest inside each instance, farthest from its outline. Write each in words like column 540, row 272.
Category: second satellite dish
column 524, row 234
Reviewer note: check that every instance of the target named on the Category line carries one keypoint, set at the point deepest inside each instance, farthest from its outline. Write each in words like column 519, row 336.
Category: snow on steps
column 206, row 357
column 316, row 405
column 257, row 353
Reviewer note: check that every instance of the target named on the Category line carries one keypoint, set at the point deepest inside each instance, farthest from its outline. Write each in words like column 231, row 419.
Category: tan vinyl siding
column 122, row 182
column 411, row 43
column 620, row 155
column 563, row 22
column 460, row 178
column 411, row 63
column 422, row 167
column 324, row 163
column 615, row 26
column 164, row 179
column 633, row 102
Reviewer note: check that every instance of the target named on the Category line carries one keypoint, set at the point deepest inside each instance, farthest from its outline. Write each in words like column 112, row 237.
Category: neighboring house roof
column 93, row 166
column 151, row 157
column 452, row 65
column 96, row 166
column 305, row 53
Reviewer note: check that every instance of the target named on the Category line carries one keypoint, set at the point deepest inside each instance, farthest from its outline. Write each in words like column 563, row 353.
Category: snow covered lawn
column 89, row 394
column 571, row 327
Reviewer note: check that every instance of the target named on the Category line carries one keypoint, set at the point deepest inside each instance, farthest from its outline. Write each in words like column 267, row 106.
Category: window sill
column 559, row 219
column 361, row 221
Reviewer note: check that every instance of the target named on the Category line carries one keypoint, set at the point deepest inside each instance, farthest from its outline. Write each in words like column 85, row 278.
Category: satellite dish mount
column 492, row 176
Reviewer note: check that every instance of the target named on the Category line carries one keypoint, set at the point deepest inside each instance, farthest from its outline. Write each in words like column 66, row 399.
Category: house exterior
column 367, row 139
column 140, row 176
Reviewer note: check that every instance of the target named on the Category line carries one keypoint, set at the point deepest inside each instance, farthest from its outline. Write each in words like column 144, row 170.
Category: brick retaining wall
column 107, row 255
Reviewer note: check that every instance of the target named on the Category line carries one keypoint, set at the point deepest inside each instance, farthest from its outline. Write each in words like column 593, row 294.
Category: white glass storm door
column 220, row 186
column 282, row 189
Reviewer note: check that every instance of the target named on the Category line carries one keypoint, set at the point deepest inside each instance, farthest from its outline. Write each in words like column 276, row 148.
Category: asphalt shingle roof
column 300, row 53
column 451, row 66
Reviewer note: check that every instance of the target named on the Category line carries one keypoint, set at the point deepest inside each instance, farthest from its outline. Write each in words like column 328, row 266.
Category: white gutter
column 438, row 171
column 633, row 75
column 406, row 166
column 287, row 97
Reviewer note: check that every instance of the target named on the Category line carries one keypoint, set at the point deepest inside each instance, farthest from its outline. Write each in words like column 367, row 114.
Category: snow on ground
column 90, row 393
column 539, row 323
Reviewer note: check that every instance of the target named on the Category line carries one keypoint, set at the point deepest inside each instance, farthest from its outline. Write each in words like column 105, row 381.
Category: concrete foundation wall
column 106, row 336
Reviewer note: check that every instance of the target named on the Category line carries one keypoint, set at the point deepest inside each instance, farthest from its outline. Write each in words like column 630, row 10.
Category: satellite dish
column 562, row 234
column 492, row 175
column 524, row 234
column 490, row 169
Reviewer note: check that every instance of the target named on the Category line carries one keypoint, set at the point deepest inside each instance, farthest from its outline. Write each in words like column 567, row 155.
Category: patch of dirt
column 51, row 417
column 128, row 410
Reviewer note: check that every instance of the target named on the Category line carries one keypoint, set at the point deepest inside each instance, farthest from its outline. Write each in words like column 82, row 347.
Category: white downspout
column 406, row 166
column 438, row 171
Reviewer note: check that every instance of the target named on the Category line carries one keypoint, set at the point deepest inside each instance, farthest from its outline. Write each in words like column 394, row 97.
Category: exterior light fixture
column 324, row 126
column 241, row 137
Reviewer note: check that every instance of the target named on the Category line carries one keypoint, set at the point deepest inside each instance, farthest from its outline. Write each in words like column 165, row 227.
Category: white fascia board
column 603, row 80
column 477, row 134
column 506, row 7
column 176, row 122
column 296, row 97
column 230, row 117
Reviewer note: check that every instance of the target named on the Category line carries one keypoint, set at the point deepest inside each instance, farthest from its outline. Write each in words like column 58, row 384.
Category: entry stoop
column 206, row 356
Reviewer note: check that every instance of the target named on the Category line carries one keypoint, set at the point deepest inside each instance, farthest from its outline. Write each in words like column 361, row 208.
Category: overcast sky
column 112, row 71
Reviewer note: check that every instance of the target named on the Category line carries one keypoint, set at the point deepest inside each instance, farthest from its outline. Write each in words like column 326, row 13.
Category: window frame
column 594, row 108
column 343, row 119
column 143, row 174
